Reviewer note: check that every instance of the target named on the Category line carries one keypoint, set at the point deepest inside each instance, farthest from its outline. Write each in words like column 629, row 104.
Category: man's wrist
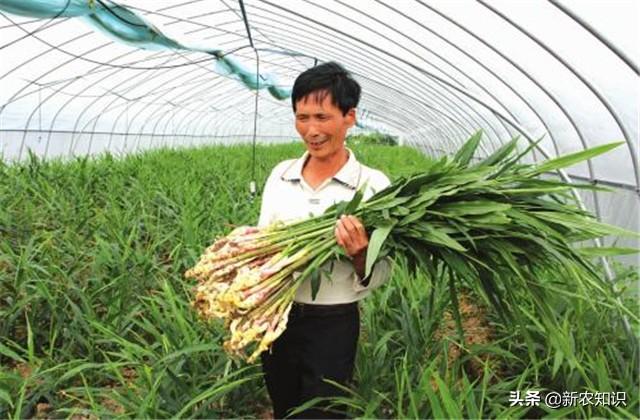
column 359, row 265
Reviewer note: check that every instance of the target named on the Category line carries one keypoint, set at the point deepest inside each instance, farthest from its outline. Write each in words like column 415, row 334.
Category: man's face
column 322, row 125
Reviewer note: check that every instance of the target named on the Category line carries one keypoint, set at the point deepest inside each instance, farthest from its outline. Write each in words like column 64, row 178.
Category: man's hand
column 352, row 237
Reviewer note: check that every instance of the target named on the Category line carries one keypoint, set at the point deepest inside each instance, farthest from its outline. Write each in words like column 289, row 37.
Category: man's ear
column 351, row 117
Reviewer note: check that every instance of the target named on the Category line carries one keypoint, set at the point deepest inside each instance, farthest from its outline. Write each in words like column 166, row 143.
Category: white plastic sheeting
column 432, row 73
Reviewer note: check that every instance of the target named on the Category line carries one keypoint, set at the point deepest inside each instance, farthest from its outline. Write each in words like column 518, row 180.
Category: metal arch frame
column 108, row 105
column 242, row 6
column 57, row 48
column 231, row 10
column 229, row 107
column 267, row 98
column 439, row 56
column 148, row 91
column 434, row 53
column 79, row 57
column 234, row 107
column 256, row 51
column 47, row 99
column 67, row 94
column 247, row 24
column 203, row 127
column 196, row 85
column 149, row 77
column 222, row 97
column 485, row 68
column 227, row 31
column 28, row 22
column 428, row 107
column 16, row 96
column 593, row 89
column 67, row 63
column 187, row 20
column 16, row 67
column 398, row 94
column 488, row 124
column 88, row 106
column 567, row 179
column 539, row 85
column 160, row 113
column 94, row 130
column 607, row 268
column 505, row 118
column 535, row 82
column 544, row 153
column 47, row 25
column 218, row 97
column 435, row 91
column 222, row 122
column 469, row 94
column 283, row 110
column 43, row 75
column 187, row 115
column 387, row 54
column 621, row 55
column 402, row 117
column 476, row 124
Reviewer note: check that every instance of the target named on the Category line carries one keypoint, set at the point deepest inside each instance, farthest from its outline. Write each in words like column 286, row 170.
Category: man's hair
column 327, row 78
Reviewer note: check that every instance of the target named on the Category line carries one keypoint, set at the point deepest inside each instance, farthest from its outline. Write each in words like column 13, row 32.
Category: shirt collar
column 348, row 175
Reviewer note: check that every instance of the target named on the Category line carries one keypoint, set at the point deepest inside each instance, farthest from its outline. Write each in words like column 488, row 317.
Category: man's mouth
column 316, row 143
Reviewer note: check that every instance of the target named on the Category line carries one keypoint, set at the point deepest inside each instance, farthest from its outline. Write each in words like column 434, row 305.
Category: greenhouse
column 487, row 259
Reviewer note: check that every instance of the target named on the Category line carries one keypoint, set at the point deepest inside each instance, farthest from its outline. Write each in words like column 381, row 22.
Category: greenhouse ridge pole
column 252, row 184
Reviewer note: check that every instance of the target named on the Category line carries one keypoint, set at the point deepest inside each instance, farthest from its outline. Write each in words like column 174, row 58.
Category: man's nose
column 313, row 129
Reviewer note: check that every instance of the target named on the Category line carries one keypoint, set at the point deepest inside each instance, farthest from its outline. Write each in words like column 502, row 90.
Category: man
column 321, row 336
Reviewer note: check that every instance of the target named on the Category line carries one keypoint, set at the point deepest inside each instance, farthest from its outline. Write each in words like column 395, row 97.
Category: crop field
column 96, row 320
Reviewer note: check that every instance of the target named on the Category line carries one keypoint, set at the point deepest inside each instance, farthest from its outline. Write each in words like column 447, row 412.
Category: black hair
column 327, row 78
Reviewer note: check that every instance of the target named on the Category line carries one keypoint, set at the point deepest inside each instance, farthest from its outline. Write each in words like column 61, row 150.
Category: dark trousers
column 319, row 342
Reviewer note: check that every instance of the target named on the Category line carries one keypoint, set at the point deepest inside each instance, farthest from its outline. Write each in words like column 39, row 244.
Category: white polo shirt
column 287, row 197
